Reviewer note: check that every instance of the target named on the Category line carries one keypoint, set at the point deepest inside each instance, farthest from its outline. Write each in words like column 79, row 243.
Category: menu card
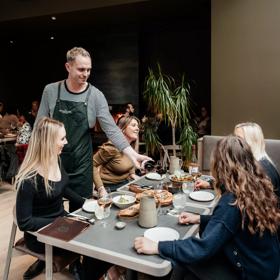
column 64, row 228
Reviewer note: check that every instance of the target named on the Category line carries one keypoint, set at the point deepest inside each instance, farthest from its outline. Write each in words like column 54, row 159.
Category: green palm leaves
column 173, row 102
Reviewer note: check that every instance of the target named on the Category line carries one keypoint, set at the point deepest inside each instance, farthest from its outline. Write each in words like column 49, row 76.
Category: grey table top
column 116, row 246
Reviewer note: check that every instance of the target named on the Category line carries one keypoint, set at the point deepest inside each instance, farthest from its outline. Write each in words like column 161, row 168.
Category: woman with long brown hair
column 239, row 240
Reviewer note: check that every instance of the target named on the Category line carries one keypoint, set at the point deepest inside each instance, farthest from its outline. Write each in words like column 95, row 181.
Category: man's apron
column 77, row 154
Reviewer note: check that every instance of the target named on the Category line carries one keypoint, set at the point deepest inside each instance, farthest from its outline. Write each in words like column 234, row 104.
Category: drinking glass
column 179, row 201
column 104, row 202
column 188, row 187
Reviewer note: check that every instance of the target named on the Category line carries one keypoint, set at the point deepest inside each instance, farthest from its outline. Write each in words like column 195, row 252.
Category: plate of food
column 124, row 200
column 164, row 197
column 161, row 234
column 181, row 178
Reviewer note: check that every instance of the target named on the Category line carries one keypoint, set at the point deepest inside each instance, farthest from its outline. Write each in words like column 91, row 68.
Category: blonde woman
column 41, row 184
column 239, row 240
column 112, row 168
column 253, row 135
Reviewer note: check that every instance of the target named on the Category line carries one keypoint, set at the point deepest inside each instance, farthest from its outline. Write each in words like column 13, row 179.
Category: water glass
column 188, row 187
column 179, row 201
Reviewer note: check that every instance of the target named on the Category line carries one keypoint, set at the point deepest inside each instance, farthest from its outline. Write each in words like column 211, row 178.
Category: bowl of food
column 124, row 200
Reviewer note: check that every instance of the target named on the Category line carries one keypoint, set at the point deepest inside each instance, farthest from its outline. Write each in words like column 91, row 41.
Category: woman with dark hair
column 239, row 240
column 112, row 168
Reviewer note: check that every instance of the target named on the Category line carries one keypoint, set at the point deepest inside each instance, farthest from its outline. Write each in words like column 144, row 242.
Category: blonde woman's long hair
column 237, row 171
column 40, row 153
column 253, row 135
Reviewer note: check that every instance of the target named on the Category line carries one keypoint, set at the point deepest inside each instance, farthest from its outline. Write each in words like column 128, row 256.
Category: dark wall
column 30, row 66
column 123, row 43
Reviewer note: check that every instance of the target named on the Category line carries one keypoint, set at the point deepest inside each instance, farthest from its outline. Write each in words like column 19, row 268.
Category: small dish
column 124, row 200
column 120, row 225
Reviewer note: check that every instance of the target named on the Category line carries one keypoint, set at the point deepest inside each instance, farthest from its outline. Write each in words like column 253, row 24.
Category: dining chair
column 19, row 248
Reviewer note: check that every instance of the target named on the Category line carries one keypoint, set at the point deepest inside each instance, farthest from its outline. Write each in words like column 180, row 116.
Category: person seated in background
column 203, row 123
column 129, row 110
column 253, row 135
column 239, row 240
column 8, row 123
column 31, row 117
column 2, row 110
column 112, row 168
column 41, row 184
column 23, row 130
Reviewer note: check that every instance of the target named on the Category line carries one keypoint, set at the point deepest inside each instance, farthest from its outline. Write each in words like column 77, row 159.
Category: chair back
column 207, row 143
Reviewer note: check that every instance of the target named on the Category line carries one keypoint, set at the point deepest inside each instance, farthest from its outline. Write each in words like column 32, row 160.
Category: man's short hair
column 74, row 52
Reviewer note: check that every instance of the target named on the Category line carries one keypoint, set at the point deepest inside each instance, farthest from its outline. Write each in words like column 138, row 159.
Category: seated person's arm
column 202, row 184
column 100, row 158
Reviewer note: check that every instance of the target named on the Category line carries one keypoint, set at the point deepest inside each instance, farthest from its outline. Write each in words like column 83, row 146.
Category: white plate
column 161, row 234
column 90, row 206
column 201, row 196
column 154, row 176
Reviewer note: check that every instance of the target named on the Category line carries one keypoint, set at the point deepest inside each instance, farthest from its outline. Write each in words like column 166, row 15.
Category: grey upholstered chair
column 208, row 142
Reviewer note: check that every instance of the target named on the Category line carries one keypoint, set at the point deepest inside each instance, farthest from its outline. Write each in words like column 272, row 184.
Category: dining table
column 113, row 245
column 145, row 182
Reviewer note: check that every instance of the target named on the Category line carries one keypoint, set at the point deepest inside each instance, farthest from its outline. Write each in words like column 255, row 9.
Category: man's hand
column 146, row 246
column 135, row 157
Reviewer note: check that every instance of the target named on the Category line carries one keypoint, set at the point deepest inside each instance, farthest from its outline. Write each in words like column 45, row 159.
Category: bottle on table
column 193, row 165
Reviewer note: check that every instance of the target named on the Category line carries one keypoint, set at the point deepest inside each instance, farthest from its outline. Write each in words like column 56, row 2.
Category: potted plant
column 163, row 95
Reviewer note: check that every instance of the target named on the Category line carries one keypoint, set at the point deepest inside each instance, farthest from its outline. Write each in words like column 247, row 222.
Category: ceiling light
column 52, row 37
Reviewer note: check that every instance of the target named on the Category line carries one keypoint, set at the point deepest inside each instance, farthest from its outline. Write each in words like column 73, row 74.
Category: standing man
column 77, row 104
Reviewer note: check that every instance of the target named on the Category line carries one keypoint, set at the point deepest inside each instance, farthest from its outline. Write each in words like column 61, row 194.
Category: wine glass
column 104, row 202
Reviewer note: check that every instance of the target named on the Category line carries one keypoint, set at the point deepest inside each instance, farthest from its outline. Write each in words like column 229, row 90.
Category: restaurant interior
column 227, row 50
